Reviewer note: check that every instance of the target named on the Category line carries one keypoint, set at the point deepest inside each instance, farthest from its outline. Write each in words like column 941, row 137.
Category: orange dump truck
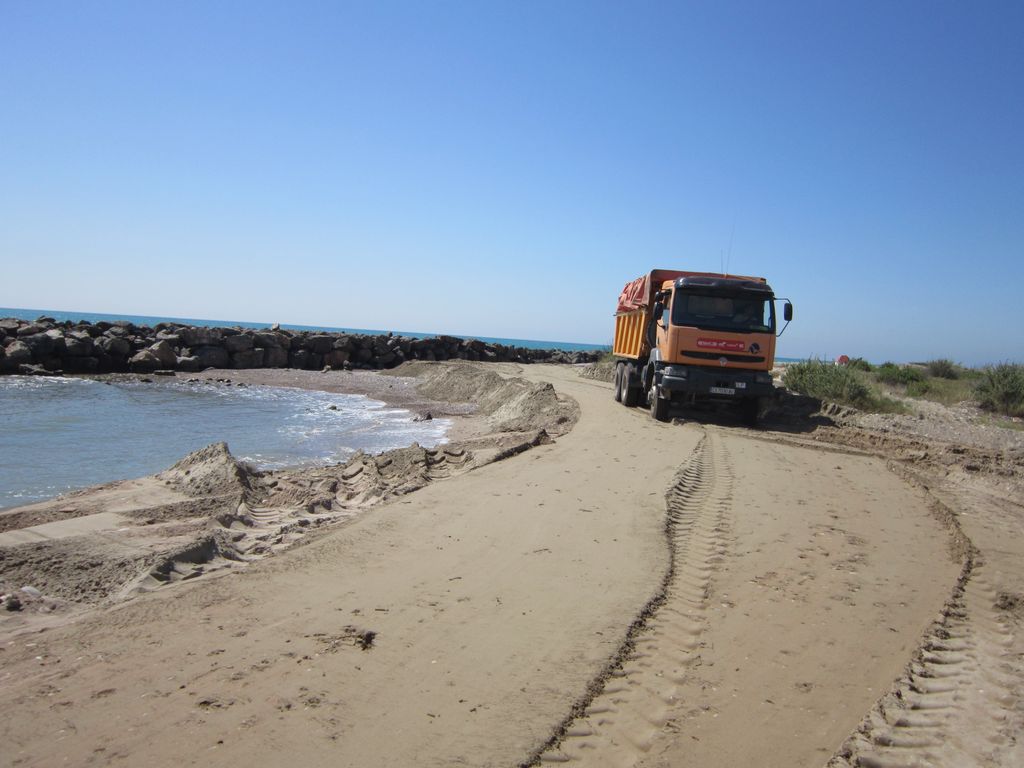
column 689, row 337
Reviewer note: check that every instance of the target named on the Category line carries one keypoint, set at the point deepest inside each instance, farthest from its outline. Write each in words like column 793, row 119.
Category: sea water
column 58, row 434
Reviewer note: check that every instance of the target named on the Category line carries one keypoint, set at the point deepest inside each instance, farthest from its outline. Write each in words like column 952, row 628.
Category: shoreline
column 391, row 388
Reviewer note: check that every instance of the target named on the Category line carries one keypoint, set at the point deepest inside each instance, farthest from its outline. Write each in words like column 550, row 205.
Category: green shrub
column 945, row 391
column 942, row 369
column 825, row 381
column 918, row 388
column 890, row 373
column 860, row 364
column 1001, row 389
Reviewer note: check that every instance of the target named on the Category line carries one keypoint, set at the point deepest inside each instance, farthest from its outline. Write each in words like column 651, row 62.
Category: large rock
column 78, row 344
column 200, row 336
column 269, row 339
column 320, row 344
column 145, row 361
column 59, row 344
column 114, row 346
column 243, row 342
column 304, row 359
column 211, row 356
column 41, row 344
column 249, row 358
column 16, row 353
column 108, row 364
column 275, row 357
column 164, row 352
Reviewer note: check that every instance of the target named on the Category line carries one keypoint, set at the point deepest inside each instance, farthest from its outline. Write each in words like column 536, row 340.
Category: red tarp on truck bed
column 638, row 293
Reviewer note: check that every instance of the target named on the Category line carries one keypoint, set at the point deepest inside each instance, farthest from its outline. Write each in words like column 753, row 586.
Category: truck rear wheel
column 619, row 371
column 630, row 392
column 659, row 406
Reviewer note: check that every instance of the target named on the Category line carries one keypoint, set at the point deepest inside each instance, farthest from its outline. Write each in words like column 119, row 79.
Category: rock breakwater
column 45, row 346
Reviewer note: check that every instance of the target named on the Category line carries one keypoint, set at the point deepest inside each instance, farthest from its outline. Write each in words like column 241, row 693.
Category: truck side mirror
column 787, row 312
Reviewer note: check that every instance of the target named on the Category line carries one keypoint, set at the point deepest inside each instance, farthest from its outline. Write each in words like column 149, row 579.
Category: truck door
column 662, row 323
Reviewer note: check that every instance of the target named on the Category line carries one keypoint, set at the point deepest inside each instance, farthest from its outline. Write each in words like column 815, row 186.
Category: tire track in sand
column 637, row 695
column 958, row 702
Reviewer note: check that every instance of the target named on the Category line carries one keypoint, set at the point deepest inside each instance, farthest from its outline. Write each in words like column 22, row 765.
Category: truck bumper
column 725, row 384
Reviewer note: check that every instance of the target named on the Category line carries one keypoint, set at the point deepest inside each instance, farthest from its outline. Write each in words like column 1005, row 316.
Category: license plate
column 723, row 391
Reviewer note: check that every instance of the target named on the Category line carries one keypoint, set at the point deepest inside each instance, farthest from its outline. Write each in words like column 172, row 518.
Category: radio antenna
column 728, row 257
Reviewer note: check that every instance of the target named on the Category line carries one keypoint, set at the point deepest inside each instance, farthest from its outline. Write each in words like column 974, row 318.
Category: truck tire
column 749, row 410
column 659, row 406
column 619, row 371
column 630, row 393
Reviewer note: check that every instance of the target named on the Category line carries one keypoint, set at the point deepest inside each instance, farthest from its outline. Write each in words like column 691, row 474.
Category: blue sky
column 501, row 169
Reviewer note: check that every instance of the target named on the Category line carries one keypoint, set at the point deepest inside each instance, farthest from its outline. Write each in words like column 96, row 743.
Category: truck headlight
column 763, row 377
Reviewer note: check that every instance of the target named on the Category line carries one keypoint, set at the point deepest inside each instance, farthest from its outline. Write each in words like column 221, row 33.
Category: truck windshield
column 736, row 313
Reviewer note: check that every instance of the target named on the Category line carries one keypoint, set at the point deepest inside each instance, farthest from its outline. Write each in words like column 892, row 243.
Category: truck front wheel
column 659, row 406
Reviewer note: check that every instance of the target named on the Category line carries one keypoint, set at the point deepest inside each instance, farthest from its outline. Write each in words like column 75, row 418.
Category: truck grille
column 719, row 355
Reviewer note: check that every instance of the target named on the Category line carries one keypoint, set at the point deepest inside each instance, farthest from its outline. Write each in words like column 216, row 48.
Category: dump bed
column 631, row 334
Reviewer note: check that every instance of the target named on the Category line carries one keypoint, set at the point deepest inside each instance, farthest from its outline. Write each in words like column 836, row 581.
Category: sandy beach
column 567, row 580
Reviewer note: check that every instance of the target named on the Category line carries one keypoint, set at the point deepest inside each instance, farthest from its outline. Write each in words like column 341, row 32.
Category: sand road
column 760, row 598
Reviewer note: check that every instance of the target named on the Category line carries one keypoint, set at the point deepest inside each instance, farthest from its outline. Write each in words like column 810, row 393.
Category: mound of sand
column 210, row 471
column 509, row 404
